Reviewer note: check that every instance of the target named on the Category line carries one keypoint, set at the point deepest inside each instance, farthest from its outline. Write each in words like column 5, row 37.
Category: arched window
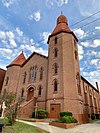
column 76, row 55
column 55, row 40
column 24, row 79
column 40, row 90
column 55, row 86
column 78, row 83
column 41, row 73
column 55, row 52
column 55, row 68
column 22, row 93
column 7, row 80
column 32, row 73
column 35, row 72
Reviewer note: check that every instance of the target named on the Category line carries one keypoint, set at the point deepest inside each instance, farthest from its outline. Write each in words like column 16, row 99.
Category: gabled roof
column 34, row 53
column 18, row 61
column 89, row 84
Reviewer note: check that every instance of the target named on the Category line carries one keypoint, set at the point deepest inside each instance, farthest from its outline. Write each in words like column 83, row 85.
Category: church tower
column 64, row 89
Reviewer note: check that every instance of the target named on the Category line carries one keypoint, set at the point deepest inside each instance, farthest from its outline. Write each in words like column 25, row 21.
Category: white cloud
column 97, row 27
column 10, row 34
column 36, row 16
column 85, row 44
column 6, row 34
column 34, row 49
column 61, row 2
column 94, row 44
column 95, row 54
column 96, row 62
column 3, row 66
column 13, row 43
column 2, row 35
column 80, row 33
column 7, row 3
column 93, row 76
column 45, row 36
column 19, row 32
column 6, row 52
column 80, row 51
column 88, row 7
column 51, row 3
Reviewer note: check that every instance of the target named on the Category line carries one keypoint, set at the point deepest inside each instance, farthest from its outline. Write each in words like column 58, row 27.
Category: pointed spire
column 19, row 60
column 61, row 12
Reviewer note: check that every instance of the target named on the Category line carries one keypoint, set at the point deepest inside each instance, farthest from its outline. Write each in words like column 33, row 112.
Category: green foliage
column 62, row 114
column 20, row 127
column 92, row 116
column 12, row 105
column 41, row 114
column 66, row 119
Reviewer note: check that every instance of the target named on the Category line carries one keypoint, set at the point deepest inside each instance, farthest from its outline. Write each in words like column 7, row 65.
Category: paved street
column 84, row 128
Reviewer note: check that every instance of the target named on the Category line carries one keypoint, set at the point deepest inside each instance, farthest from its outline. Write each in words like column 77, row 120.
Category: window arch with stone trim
column 55, row 40
column 35, row 72
column 41, row 73
column 55, row 67
column 24, row 78
column 78, row 82
column 22, row 92
column 76, row 55
column 32, row 73
column 55, row 85
column 40, row 90
column 55, row 52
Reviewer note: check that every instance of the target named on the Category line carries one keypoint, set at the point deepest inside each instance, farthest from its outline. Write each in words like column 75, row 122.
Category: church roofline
column 34, row 53
column 13, row 65
column 89, row 84
column 2, row 69
column 62, row 32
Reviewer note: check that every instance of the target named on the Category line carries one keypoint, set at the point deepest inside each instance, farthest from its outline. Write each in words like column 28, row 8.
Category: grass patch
column 26, row 118
column 19, row 127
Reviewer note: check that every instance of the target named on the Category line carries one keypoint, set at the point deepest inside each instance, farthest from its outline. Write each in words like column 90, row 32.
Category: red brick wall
column 2, row 75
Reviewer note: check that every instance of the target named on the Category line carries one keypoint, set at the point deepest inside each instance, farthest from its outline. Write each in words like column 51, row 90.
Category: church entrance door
column 55, row 110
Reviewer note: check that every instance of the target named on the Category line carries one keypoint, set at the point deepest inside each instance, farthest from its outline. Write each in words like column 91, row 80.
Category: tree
column 12, row 103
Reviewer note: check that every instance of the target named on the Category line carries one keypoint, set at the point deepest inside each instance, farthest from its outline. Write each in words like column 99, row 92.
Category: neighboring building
column 54, row 82
column 2, row 75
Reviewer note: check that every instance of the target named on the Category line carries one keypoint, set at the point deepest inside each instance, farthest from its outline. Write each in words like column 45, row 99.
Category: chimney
column 97, row 86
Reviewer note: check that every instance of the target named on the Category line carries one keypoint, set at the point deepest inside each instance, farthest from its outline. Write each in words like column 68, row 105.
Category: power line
column 90, row 22
column 84, row 19
column 75, row 24
column 76, row 29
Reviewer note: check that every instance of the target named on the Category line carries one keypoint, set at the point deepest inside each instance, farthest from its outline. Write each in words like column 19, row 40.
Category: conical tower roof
column 61, row 26
column 18, row 61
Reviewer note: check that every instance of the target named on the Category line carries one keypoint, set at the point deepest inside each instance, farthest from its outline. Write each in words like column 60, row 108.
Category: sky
column 26, row 24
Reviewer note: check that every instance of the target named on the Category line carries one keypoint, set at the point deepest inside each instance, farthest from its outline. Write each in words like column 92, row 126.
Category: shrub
column 62, row 114
column 68, row 119
column 41, row 114
column 97, row 116
column 92, row 116
column 33, row 114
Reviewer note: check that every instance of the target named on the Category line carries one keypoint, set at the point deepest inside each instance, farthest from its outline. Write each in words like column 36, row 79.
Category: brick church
column 53, row 83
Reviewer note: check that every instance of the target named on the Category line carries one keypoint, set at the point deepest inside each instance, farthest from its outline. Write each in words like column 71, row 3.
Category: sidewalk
column 84, row 128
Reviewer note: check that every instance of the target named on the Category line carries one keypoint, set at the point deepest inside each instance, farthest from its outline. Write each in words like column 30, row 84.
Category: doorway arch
column 30, row 93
